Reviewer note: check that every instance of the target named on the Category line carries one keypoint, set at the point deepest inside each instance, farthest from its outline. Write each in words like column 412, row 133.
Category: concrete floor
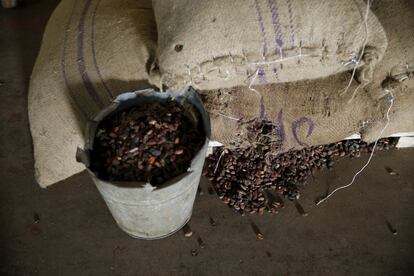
column 76, row 235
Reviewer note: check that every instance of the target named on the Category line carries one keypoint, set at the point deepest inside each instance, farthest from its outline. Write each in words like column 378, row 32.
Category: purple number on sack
column 295, row 125
column 299, row 123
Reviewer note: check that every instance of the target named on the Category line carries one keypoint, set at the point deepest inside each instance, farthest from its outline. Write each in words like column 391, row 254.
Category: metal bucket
column 140, row 209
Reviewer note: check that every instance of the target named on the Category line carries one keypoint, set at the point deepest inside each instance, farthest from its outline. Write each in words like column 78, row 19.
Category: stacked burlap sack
column 284, row 63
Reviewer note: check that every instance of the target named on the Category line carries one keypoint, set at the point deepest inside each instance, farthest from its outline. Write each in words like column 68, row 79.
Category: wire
column 391, row 99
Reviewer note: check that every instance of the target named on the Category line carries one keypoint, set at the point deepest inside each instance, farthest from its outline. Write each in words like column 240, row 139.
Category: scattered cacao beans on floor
column 250, row 180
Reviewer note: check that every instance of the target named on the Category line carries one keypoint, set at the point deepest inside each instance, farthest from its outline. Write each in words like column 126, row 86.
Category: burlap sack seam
column 240, row 65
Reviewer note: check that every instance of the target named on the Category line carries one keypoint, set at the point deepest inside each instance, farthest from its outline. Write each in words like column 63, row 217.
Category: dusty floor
column 76, row 235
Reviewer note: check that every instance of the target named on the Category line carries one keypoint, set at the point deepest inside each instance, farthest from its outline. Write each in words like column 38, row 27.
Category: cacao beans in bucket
column 148, row 209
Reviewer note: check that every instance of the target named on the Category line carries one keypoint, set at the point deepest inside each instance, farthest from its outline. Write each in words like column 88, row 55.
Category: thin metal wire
column 218, row 162
column 391, row 99
column 362, row 52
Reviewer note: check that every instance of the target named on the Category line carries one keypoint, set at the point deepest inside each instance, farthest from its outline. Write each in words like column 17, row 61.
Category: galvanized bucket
column 140, row 209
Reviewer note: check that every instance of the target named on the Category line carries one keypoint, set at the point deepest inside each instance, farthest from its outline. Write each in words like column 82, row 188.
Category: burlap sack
column 397, row 17
column 303, row 113
column 306, row 113
column 92, row 50
column 216, row 44
column 314, row 112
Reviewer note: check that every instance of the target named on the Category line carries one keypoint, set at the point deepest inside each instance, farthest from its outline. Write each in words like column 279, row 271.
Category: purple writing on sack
column 299, row 123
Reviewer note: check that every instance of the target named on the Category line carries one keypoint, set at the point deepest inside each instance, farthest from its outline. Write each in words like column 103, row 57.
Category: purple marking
column 276, row 28
column 276, row 23
column 262, row 74
column 81, row 59
column 298, row 123
column 63, row 62
column 95, row 63
column 263, row 33
column 261, row 25
column 292, row 29
column 279, row 42
column 281, row 127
